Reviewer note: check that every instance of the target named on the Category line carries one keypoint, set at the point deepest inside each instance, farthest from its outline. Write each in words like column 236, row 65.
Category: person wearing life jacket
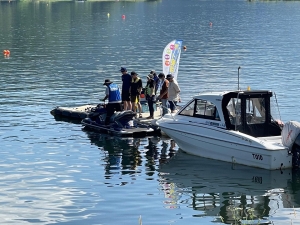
column 135, row 91
column 113, row 94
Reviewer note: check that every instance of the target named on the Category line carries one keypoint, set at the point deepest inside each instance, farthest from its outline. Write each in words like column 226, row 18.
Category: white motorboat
column 237, row 127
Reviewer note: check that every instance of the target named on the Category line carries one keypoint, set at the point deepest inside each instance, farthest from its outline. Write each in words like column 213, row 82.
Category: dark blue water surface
column 53, row 172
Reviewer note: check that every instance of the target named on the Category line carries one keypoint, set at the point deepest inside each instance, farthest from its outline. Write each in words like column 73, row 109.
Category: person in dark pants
column 156, row 80
column 126, row 82
column 135, row 91
column 113, row 94
column 150, row 95
column 163, row 87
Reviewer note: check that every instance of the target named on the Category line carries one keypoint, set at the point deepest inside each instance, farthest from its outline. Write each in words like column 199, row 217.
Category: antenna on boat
column 239, row 78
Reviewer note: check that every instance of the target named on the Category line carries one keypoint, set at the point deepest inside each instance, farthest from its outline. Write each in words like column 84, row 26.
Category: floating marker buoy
column 123, row 17
column 6, row 52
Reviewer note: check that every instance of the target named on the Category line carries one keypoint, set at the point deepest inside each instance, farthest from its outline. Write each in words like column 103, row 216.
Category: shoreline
column 79, row 1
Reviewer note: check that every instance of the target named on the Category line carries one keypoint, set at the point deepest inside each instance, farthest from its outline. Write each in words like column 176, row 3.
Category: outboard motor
column 291, row 138
column 296, row 152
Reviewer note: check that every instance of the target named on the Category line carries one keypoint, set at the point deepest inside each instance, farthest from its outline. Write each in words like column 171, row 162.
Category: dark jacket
column 135, row 86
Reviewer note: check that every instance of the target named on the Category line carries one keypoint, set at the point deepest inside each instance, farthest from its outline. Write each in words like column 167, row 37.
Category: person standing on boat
column 155, row 78
column 113, row 94
column 126, row 79
column 163, row 87
column 135, row 91
column 173, row 92
column 150, row 95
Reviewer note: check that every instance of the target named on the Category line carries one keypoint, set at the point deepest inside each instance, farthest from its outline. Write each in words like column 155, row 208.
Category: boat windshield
column 255, row 111
column 202, row 109
column 188, row 110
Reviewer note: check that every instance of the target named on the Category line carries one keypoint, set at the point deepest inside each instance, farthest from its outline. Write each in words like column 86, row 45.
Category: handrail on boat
column 277, row 106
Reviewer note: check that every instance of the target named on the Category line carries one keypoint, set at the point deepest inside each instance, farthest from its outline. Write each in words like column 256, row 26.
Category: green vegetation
column 84, row 0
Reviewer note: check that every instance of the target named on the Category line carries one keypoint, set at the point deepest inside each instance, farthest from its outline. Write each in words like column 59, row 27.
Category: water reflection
column 128, row 155
column 222, row 190
column 36, row 192
column 67, row 119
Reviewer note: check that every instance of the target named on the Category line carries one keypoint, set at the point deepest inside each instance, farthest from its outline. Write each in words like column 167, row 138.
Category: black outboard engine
column 296, row 152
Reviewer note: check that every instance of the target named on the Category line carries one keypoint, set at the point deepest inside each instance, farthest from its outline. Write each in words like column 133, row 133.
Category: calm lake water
column 53, row 172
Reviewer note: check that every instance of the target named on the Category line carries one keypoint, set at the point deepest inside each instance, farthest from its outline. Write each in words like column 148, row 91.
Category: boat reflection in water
column 128, row 155
column 228, row 192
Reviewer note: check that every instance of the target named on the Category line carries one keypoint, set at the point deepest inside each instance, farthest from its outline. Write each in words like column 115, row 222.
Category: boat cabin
column 245, row 111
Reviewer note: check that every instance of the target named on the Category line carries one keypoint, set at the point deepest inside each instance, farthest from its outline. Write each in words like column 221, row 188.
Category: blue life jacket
column 114, row 93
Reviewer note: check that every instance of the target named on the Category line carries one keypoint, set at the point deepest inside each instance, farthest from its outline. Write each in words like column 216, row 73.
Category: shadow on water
column 230, row 192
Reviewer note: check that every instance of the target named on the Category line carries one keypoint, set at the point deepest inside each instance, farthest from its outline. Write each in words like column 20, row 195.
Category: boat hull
column 134, row 131
column 228, row 146
column 76, row 113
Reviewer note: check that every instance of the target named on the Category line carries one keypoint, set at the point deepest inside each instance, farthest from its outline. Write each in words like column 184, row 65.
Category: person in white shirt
column 173, row 92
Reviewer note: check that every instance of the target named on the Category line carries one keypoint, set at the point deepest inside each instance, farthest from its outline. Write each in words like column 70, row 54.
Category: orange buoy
column 6, row 52
column 123, row 17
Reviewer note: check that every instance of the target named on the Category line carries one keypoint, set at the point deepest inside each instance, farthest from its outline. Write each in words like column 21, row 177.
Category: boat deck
column 81, row 112
column 145, row 116
column 273, row 139
column 78, row 112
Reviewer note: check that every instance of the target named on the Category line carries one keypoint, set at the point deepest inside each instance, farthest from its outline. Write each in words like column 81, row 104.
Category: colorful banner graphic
column 171, row 57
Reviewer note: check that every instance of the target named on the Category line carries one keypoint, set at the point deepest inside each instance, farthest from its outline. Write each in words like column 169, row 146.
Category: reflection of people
column 136, row 86
column 151, row 155
column 152, row 151
column 163, row 92
column 163, row 155
column 126, row 79
column 112, row 93
column 172, row 150
column 150, row 95
column 173, row 92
